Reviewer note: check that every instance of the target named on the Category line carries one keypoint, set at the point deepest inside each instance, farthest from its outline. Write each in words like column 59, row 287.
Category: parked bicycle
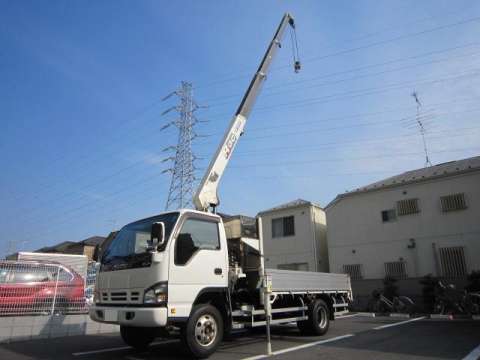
column 449, row 300
column 399, row 304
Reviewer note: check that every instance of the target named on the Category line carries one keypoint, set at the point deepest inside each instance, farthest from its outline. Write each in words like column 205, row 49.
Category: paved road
column 355, row 337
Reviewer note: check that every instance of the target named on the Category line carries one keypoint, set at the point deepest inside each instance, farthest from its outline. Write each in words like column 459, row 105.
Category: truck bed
column 308, row 281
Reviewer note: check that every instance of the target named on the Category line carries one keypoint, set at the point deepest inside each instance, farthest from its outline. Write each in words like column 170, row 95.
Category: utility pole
column 421, row 128
column 183, row 168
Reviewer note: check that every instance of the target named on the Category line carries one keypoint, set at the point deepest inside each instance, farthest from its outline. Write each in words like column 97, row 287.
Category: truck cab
column 153, row 279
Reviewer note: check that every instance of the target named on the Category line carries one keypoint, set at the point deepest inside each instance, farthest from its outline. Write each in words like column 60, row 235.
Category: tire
column 137, row 337
column 318, row 320
column 203, row 332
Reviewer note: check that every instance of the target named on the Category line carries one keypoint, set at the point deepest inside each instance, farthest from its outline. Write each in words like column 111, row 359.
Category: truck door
column 198, row 260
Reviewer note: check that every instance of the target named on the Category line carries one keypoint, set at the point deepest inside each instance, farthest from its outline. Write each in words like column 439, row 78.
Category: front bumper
column 130, row 316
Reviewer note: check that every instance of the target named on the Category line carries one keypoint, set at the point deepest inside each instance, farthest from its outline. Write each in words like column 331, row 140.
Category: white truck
column 176, row 273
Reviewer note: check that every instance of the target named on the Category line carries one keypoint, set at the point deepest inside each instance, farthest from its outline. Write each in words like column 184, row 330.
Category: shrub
column 429, row 283
column 390, row 289
column 473, row 281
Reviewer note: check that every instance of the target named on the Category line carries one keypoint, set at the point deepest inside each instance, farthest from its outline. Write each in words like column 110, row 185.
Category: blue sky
column 81, row 84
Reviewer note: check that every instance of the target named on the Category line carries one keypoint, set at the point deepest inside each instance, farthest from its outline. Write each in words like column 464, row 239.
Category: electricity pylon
column 183, row 169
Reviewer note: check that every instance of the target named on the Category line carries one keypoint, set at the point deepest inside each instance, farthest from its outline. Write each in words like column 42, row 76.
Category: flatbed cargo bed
column 288, row 281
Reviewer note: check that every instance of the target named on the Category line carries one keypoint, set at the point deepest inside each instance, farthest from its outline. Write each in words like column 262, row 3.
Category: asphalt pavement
column 351, row 337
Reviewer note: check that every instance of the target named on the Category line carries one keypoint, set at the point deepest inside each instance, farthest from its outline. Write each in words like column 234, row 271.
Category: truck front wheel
column 318, row 319
column 204, row 331
column 137, row 337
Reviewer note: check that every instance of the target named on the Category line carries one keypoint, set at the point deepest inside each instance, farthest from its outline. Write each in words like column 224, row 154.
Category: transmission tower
column 183, row 167
column 421, row 128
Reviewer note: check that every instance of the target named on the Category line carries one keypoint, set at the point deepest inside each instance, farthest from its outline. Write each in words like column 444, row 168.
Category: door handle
column 218, row 271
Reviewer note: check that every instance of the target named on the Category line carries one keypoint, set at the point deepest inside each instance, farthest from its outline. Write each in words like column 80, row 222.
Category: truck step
column 340, row 305
column 277, row 321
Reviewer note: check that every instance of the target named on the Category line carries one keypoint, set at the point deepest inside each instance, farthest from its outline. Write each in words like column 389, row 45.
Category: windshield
column 128, row 249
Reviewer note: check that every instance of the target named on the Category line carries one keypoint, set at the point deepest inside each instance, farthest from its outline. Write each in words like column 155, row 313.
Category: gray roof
column 291, row 204
column 93, row 241
column 450, row 168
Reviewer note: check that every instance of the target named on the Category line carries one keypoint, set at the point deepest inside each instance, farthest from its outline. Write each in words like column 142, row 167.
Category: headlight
column 157, row 294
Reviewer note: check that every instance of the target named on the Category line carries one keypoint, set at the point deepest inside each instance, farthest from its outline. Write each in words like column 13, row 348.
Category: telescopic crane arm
column 206, row 196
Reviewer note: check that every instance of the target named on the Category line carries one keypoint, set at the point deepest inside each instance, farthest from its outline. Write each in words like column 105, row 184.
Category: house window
column 453, row 202
column 284, row 226
column 407, row 207
column 396, row 269
column 453, row 263
column 354, row 270
column 293, row 266
column 389, row 215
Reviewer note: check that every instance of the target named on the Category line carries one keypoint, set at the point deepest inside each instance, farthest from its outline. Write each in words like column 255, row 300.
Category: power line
column 332, row 144
column 296, row 162
column 212, row 101
column 465, row 21
column 369, row 114
column 142, row 139
column 296, row 176
column 354, row 49
column 358, row 93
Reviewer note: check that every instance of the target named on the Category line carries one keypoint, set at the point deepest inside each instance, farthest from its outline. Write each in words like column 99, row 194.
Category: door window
column 195, row 235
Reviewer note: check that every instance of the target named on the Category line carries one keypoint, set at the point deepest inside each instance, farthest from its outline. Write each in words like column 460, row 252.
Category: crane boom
column 206, row 195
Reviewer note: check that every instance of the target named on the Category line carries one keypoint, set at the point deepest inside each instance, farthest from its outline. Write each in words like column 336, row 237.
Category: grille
column 135, row 296
column 407, row 207
column 453, row 202
column 453, row 262
column 120, row 296
column 396, row 269
column 354, row 270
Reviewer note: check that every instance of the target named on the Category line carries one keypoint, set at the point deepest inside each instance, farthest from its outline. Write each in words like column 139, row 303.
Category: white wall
column 301, row 247
column 357, row 235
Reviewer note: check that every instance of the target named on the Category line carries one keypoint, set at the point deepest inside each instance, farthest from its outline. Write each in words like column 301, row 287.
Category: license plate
column 111, row 315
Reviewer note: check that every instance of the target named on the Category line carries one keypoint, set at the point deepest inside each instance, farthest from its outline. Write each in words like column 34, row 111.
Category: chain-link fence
column 41, row 287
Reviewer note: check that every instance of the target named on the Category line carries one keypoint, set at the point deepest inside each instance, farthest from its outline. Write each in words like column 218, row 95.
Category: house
column 424, row 221
column 85, row 247
column 294, row 236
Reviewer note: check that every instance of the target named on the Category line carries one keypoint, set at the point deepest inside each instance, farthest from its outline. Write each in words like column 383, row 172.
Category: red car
column 38, row 287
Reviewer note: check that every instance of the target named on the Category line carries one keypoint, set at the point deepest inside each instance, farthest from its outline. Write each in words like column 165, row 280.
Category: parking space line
column 474, row 354
column 101, row 351
column 295, row 348
column 120, row 348
column 398, row 323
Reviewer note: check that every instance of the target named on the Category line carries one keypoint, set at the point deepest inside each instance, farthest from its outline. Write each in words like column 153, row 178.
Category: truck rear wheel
column 318, row 319
column 137, row 337
column 204, row 331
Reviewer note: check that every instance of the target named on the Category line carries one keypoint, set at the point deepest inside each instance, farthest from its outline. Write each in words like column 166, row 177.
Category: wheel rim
column 322, row 317
column 206, row 330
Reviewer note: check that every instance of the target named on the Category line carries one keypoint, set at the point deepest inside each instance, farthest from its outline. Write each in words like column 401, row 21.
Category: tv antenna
column 421, row 128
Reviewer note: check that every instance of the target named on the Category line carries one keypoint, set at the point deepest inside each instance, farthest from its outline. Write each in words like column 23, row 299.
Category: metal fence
column 44, row 288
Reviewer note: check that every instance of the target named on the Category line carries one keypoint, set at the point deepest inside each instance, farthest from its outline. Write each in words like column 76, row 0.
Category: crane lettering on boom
column 230, row 144
column 232, row 138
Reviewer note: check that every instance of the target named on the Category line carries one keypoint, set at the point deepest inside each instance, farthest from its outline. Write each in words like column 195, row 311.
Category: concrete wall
column 357, row 235
column 308, row 245
column 20, row 328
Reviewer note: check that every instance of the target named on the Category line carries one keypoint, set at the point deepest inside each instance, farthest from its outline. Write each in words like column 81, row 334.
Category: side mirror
column 157, row 236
